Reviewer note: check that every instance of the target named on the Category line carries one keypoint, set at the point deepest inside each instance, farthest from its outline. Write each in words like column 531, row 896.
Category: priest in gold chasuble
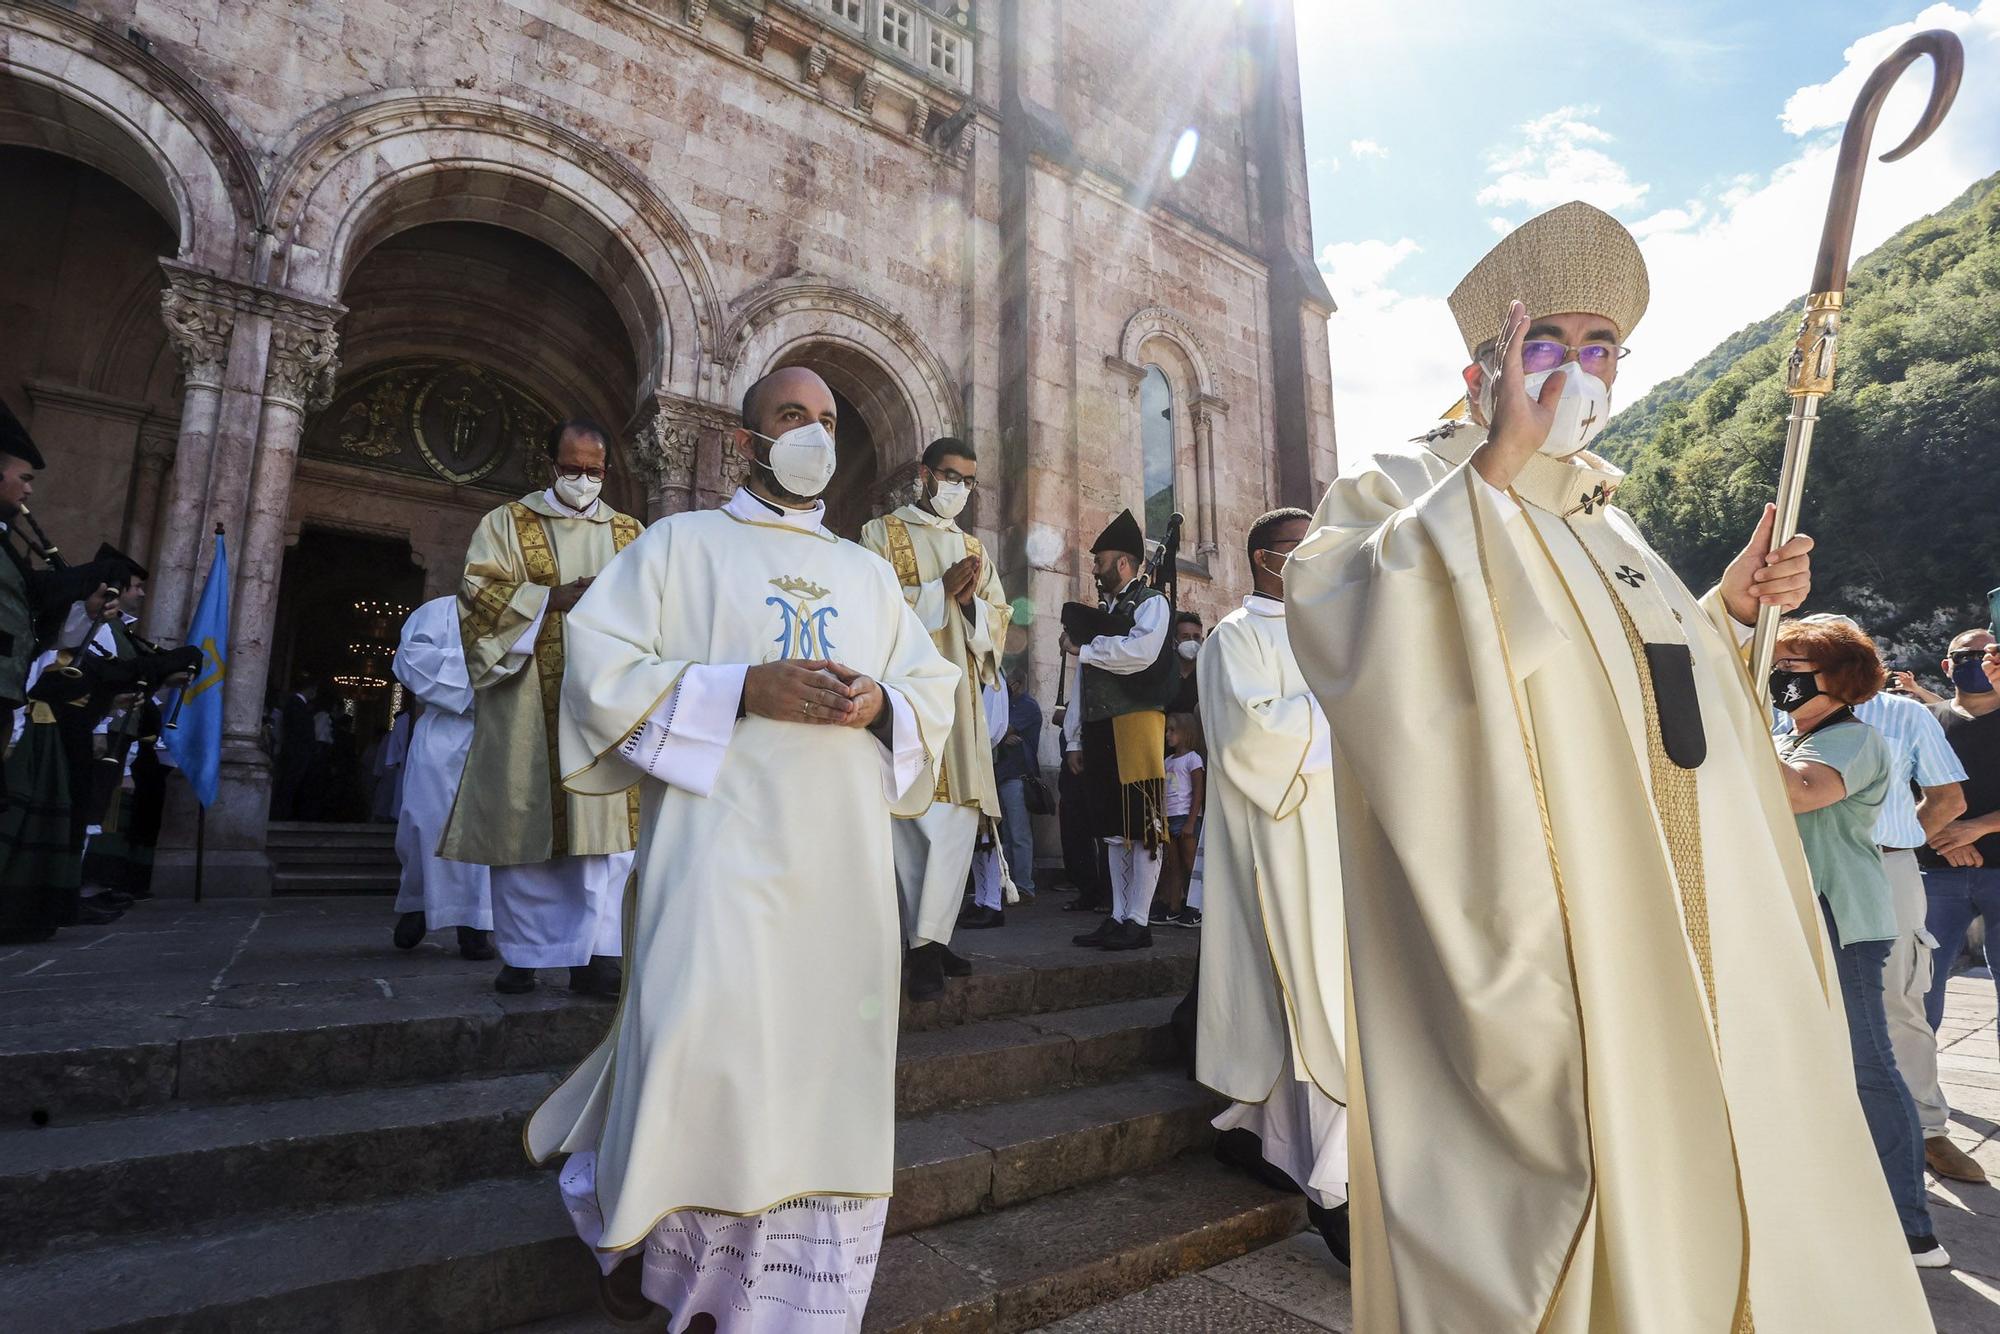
column 952, row 586
column 1598, row 1070
column 560, row 860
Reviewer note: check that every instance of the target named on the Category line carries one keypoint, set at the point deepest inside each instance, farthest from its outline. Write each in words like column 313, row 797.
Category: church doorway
column 345, row 597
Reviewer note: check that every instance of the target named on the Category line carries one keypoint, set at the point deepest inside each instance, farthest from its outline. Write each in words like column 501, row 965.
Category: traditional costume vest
column 1107, row 694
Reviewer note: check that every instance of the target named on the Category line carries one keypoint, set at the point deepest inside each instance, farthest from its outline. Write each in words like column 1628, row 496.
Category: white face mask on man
column 579, row 493
column 802, row 459
column 948, row 502
column 1581, row 413
column 1189, row 649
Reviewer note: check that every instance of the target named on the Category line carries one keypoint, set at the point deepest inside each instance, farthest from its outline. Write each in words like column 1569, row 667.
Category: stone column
column 666, row 446
column 298, row 377
column 156, row 455
column 200, row 329
column 1206, row 408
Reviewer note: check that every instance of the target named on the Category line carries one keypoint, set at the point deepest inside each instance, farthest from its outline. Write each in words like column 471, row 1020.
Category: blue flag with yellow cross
column 196, row 742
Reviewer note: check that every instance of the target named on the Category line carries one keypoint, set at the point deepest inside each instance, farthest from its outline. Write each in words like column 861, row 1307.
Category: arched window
column 1156, row 439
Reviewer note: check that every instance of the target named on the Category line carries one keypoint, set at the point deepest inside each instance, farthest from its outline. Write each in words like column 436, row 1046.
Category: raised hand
column 1520, row 423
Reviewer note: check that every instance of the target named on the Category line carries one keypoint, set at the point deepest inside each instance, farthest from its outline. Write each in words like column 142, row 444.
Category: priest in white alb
column 1270, row 1019
column 766, row 690
column 435, row 893
column 1598, row 1070
column 955, row 591
column 560, row 859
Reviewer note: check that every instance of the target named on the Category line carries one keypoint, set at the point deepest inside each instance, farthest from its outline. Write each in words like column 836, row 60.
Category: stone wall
column 636, row 207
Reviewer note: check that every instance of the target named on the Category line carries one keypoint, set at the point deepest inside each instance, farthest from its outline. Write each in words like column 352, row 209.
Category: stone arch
column 1164, row 324
column 870, row 354
column 71, row 85
column 373, row 166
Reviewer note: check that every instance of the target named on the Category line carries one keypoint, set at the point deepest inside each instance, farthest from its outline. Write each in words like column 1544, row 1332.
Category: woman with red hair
column 1837, row 773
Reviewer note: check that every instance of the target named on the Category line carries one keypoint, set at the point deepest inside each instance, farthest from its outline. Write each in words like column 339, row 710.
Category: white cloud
column 1719, row 265
column 1366, row 148
column 1395, row 356
column 1556, row 161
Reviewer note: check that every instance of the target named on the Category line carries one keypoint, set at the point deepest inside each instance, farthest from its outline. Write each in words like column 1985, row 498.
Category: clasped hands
column 813, row 690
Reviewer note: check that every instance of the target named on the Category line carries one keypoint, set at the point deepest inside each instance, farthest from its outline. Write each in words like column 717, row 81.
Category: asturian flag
column 196, row 743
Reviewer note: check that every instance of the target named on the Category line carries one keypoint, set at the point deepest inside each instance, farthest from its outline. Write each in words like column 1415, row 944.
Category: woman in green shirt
column 1837, row 772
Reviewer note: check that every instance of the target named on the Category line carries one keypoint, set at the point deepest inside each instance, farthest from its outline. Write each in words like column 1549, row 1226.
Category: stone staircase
column 341, row 1150
column 312, row 858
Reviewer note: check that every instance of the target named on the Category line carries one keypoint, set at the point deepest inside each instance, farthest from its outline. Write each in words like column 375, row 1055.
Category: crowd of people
column 84, row 704
column 1491, row 842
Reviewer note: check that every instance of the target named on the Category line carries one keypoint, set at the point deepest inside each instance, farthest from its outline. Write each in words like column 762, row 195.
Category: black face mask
column 1791, row 691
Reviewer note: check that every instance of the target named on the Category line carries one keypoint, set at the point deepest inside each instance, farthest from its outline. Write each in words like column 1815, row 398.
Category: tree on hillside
column 1903, row 493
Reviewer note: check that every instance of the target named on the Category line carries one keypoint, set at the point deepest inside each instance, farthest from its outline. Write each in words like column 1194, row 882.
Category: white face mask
column 802, row 459
column 1581, row 413
column 949, row 502
column 579, row 494
column 1189, row 649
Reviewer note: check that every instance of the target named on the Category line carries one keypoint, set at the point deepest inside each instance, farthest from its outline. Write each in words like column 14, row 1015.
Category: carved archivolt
column 203, row 177
column 1163, row 322
column 345, row 166
column 783, row 317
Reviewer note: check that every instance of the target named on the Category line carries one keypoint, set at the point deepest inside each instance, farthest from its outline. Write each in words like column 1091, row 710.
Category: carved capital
column 816, row 57
column 866, row 89
column 157, row 442
column 757, row 38
column 920, row 119
column 302, row 365
column 665, row 448
column 697, row 13
column 735, row 468
column 199, row 327
column 900, row 487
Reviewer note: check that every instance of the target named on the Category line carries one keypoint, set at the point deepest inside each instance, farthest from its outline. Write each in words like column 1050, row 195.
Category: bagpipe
column 87, row 676
column 1082, row 622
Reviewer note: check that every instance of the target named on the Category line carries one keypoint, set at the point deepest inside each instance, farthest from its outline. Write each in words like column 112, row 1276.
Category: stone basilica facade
column 322, row 271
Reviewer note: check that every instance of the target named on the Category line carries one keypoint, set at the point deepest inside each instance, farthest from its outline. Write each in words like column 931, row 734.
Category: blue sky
column 1431, row 125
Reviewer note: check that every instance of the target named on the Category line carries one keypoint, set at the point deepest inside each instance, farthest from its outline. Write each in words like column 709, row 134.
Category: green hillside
column 1904, row 490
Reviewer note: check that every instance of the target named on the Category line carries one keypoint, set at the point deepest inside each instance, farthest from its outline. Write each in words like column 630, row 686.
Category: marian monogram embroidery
column 803, row 632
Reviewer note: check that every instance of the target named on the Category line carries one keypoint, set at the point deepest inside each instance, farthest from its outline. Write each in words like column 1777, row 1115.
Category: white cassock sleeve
column 1072, row 724
column 525, row 645
column 933, row 608
column 430, row 660
column 1134, row 651
column 1319, row 756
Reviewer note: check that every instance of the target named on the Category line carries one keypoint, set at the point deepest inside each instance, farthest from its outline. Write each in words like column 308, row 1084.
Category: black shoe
column 977, row 918
column 411, row 930
column 1083, row 903
column 955, row 964
column 1130, row 936
column 512, row 981
column 1159, row 915
column 602, row 977
column 1104, row 931
column 619, row 1295
column 1188, row 917
column 1332, row 1227
column 1243, row 1151
column 89, row 914
column 474, row 944
column 115, row 899
column 926, row 972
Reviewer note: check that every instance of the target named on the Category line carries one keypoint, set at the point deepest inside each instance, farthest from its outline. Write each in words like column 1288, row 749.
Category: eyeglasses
column 1545, row 354
column 578, row 474
column 1971, row 654
column 1794, row 664
column 953, row 477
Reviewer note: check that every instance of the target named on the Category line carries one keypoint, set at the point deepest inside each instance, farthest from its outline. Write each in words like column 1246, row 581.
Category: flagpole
column 200, row 845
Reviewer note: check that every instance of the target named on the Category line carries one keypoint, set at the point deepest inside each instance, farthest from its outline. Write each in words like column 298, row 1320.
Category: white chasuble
column 430, row 662
column 511, row 808
column 1598, row 1067
column 752, row 1059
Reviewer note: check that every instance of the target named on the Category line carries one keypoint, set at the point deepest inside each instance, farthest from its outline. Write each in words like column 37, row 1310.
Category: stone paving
column 185, row 979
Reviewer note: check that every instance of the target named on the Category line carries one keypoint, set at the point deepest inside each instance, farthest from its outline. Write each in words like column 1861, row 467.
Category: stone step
column 286, row 834
column 347, row 879
column 377, row 1017
column 370, row 855
column 501, row 1253
column 190, row 1167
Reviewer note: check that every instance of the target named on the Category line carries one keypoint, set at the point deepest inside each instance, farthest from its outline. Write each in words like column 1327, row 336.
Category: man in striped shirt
column 1922, row 758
